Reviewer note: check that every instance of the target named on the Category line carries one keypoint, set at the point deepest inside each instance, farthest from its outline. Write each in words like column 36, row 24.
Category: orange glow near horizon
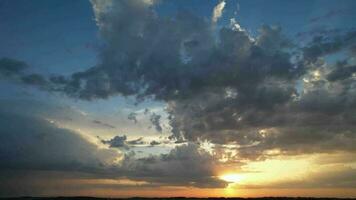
column 213, row 192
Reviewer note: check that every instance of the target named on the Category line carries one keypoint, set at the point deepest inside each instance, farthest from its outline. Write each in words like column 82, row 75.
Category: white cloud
column 218, row 10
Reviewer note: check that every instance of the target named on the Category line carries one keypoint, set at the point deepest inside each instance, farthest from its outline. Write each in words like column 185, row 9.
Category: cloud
column 32, row 143
column 342, row 72
column 117, row 142
column 172, row 169
column 104, row 124
column 154, row 143
column 11, row 67
column 132, row 117
column 34, row 79
column 218, row 10
column 16, row 70
column 186, row 165
column 258, row 93
column 247, row 96
column 224, row 87
column 121, row 142
column 322, row 45
column 155, row 120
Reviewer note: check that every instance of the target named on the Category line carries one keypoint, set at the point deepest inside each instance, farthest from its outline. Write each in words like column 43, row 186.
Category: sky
column 161, row 98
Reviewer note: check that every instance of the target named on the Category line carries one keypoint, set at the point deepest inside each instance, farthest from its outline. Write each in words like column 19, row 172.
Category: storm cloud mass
column 33, row 143
column 224, row 85
column 206, row 98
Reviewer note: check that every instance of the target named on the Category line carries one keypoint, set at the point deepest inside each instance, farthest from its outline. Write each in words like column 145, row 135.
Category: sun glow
column 232, row 178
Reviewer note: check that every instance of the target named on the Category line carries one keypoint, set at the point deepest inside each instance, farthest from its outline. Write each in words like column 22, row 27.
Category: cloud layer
column 32, row 143
column 256, row 96
column 259, row 93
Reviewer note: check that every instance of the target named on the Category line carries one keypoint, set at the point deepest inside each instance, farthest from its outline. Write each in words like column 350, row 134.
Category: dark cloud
column 34, row 79
column 121, row 142
column 103, row 124
column 191, row 62
column 15, row 70
column 132, row 117
column 353, row 50
column 155, row 120
column 244, row 94
column 146, row 111
column 323, row 45
column 154, row 143
column 341, row 72
column 33, row 143
column 176, row 163
column 117, row 142
column 10, row 67
column 223, row 85
column 186, row 165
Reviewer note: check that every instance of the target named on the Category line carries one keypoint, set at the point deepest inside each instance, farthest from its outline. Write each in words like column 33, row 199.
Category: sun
column 232, row 178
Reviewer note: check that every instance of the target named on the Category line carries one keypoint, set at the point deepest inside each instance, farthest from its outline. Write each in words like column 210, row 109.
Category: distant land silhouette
column 178, row 198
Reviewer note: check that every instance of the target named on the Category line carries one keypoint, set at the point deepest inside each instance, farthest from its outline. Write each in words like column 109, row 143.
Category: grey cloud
column 146, row 111
column 34, row 79
column 54, row 183
column 324, row 45
column 272, row 38
column 58, row 79
column 154, row 143
column 155, row 120
column 177, row 168
column 132, row 117
column 184, row 165
column 223, row 85
column 353, row 50
column 33, row 143
column 321, row 46
column 16, row 70
column 342, row 72
column 117, row 142
column 29, row 142
column 104, row 124
column 185, row 60
column 320, row 120
column 219, row 85
column 11, row 67
column 121, row 142
column 135, row 46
